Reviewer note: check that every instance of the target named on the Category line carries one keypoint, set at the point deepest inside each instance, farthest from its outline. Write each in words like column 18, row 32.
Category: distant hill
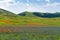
column 27, row 14
column 39, row 14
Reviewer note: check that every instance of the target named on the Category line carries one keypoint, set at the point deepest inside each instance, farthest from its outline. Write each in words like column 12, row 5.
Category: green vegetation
column 29, row 18
column 41, row 35
column 9, row 19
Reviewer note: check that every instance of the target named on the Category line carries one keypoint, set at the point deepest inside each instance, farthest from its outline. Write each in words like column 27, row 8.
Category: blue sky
column 18, row 6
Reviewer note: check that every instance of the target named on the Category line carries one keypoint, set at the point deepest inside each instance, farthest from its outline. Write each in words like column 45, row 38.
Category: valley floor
column 30, row 33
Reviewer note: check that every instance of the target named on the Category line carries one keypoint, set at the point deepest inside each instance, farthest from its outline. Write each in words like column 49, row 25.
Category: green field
column 33, row 21
column 42, row 35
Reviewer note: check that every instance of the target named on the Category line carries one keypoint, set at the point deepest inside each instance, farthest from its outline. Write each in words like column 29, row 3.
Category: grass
column 38, row 21
column 42, row 35
column 34, row 21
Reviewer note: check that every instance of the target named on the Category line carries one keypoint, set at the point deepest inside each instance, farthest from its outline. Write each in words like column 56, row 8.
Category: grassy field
column 34, row 21
column 42, row 35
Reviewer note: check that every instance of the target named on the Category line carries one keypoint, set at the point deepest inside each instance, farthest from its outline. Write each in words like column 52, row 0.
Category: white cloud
column 51, row 5
column 6, row 2
column 17, row 7
column 33, row 8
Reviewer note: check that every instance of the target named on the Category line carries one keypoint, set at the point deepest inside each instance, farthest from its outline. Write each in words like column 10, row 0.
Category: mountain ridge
column 39, row 14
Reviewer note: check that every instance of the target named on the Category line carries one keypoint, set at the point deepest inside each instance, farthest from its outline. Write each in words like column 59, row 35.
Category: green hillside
column 27, row 14
column 41, row 19
column 29, row 18
column 7, row 17
column 39, row 14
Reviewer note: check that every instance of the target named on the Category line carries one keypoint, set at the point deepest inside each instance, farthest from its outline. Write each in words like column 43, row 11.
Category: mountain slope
column 29, row 18
column 41, row 19
column 7, row 17
column 6, row 13
column 39, row 14
column 27, row 14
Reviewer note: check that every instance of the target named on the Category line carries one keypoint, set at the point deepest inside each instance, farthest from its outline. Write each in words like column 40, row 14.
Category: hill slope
column 29, row 18
column 39, row 14
column 7, row 17
column 41, row 19
column 27, row 14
